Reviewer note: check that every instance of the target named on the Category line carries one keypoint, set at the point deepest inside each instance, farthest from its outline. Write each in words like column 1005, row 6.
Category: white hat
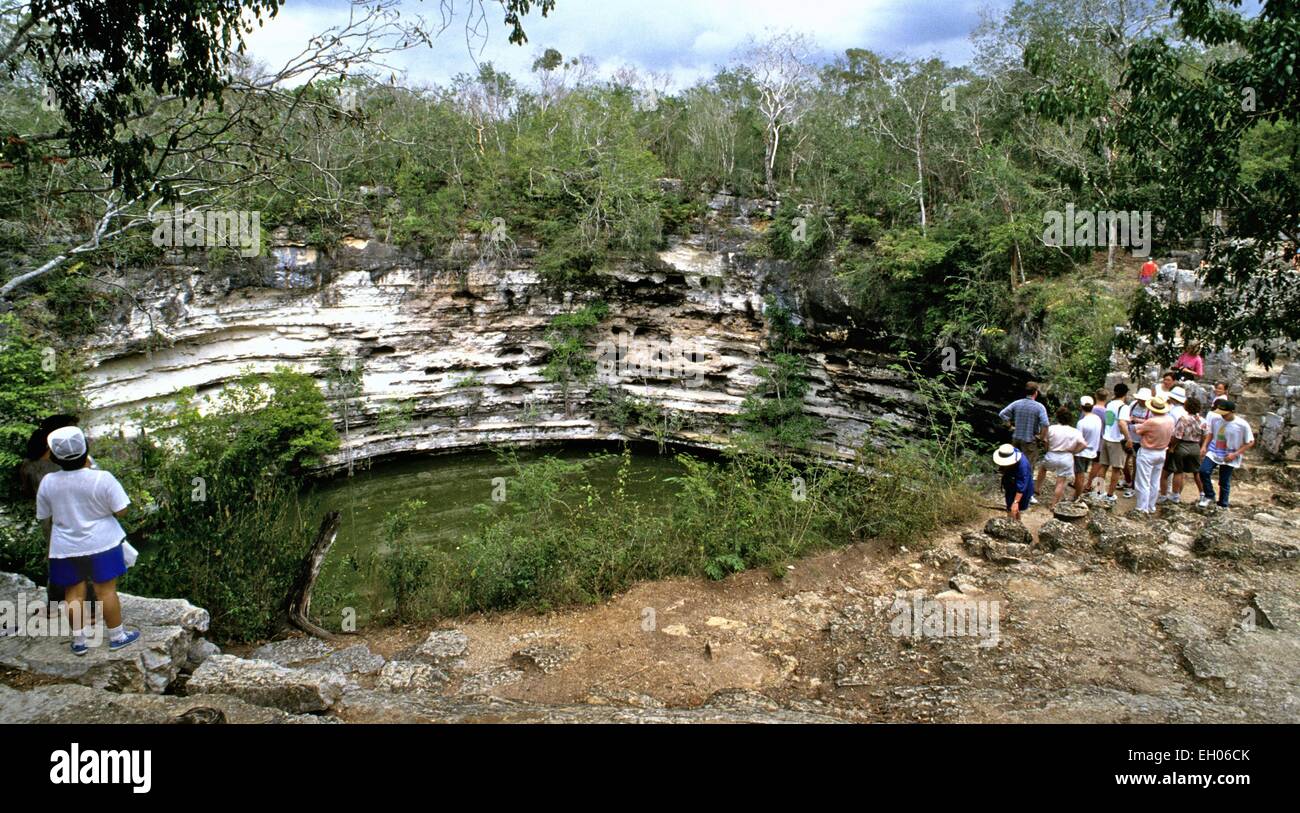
column 67, row 443
column 1144, row 394
column 1086, row 401
column 1006, row 455
column 1178, row 394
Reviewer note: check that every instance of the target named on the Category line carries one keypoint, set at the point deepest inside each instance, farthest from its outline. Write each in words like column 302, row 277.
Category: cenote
column 457, row 491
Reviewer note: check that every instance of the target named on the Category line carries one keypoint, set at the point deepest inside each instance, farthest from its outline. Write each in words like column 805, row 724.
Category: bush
column 403, row 564
column 560, row 539
column 224, row 524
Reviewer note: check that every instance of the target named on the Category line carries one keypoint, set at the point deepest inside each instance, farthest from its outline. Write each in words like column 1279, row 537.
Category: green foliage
column 568, row 361
column 1209, row 114
column 637, row 415
column 773, row 411
column 801, row 237
column 100, row 63
column 403, row 565
column 395, row 417
column 1073, row 321
column 35, row 382
column 560, row 539
column 947, row 396
column 223, row 523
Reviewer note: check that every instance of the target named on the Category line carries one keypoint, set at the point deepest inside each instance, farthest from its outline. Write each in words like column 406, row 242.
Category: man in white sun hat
column 1017, row 478
column 79, row 507
column 1154, row 435
column 1177, row 400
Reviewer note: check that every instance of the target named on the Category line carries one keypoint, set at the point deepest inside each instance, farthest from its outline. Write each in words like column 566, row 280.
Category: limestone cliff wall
column 453, row 349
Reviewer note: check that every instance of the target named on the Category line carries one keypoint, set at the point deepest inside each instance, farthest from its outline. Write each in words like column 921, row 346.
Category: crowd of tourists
column 1142, row 444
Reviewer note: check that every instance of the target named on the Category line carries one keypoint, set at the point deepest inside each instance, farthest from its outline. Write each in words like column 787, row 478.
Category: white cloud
column 688, row 38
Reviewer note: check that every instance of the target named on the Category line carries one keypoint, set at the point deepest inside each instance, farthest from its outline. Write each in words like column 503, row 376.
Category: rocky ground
column 1192, row 616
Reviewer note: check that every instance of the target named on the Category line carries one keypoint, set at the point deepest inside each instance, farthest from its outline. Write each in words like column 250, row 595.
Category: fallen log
column 299, row 605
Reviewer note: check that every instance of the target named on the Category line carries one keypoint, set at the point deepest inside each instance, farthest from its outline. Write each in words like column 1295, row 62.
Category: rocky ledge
column 171, row 640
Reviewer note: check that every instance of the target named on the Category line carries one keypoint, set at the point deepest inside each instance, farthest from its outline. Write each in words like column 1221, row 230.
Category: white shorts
column 1060, row 463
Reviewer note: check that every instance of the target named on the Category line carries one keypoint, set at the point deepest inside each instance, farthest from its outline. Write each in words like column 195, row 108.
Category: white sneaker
column 1175, row 498
column 1128, row 492
column 1110, row 498
column 1033, row 501
column 1203, row 502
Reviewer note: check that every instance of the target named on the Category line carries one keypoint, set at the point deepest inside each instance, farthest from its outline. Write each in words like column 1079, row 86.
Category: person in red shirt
column 1148, row 273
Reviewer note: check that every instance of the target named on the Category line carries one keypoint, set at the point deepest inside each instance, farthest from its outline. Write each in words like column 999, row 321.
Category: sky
column 687, row 39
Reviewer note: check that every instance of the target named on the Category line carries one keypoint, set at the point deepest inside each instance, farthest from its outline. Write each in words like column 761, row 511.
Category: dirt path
column 1079, row 637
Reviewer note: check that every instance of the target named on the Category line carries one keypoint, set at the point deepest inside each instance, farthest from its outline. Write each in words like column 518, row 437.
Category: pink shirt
column 1156, row 432
column 1192, row 363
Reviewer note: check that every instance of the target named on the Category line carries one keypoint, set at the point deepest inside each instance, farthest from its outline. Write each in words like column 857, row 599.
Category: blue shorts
column 98, row 568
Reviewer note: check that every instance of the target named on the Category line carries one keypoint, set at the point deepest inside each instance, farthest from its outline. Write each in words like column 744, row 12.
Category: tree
column 782, row 70
column 568, row 362
column 902, row 109
column 127, row 106
column 1213, row 123
column 1081, row 53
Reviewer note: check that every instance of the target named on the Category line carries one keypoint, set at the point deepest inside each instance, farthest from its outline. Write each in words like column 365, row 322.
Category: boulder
column 38, row 640
column 1070, row 511
column 264, row 683
column 200, row 651
column 411, row 675
column 995, row 550
column 1006, row 529
column 292, row 651
column 353, row 660
column 148, row 665
column 1113, row 533
column 1276, row 611
column 442, row 647
column 1055, row 535
column 1141, row 555
column 976, row 543
column 1224, row 538
column 163, row 612
column 1096, row 502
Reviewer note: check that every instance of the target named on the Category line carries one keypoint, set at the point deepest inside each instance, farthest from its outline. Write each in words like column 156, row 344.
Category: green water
column 453, row 487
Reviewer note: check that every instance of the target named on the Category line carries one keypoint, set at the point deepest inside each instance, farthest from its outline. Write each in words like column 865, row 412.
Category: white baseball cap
column 1086, row 401
column 67, row 443
column 1144, row 394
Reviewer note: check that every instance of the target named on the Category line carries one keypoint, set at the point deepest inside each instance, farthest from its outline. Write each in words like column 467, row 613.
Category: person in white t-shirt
column 1063, row 442
column 1226, row 440
column 79, row 507
column 1113, row 455
column 1087, row 463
